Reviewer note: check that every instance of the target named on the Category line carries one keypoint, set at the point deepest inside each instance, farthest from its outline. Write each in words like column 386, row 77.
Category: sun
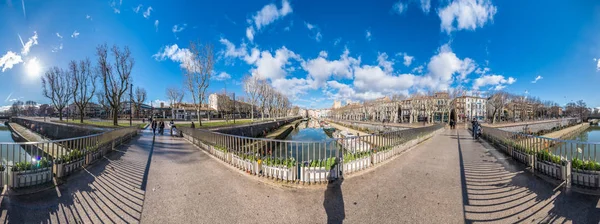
column 33, row 68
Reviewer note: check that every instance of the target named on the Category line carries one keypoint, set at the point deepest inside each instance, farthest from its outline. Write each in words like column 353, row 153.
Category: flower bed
column 356, row 161
column 551, row 165
column 26, row 174
column 319, row 170
column 382, row 154
column 68, row 163
column 220, row 152
column 523, row 157
column 585, row 173
column 283, row 169
column 248, row 164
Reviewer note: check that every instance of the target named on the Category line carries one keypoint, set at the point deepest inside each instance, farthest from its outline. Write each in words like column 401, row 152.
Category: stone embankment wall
column 56, row 131
column 536, row 127
column 369, row 127
column 255, row 130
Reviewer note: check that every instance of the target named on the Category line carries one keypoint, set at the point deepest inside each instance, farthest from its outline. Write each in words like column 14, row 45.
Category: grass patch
column 216, row 124
column 103, row 123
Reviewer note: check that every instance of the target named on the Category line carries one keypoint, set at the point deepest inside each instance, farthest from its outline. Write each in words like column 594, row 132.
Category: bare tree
column 57, row 87
column 84, row 84
column 115, row 83
column 252, row 88
column 263, row 92
column 175, row 96
column 140, row 98
column 198, row 70
column 101, row 99
column 496, row 104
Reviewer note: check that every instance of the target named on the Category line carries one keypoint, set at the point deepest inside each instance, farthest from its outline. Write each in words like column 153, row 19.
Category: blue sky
column 317, row 51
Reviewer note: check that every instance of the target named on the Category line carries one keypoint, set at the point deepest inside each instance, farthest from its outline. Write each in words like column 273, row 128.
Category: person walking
column 193, row 125
column 162, row 128
column 154, row 127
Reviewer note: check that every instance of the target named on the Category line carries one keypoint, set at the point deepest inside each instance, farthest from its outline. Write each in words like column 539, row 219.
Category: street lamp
column 130, row 104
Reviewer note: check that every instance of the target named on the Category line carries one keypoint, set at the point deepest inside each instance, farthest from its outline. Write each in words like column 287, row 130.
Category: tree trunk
column 115, row 117
column 60, row 114
column 199, row 118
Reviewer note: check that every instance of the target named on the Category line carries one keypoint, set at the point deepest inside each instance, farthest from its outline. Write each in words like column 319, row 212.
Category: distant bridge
column 3, row 117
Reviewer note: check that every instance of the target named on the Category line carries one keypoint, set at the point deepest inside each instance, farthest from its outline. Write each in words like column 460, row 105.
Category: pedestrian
column 192, row 126
column 154, row 127
column 162, row 128
column 172, row 125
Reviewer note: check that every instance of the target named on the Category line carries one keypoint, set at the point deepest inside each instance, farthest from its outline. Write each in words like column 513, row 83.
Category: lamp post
column 130, row 105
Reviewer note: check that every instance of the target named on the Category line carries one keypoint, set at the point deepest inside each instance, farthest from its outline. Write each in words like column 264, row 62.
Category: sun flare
column 33, row 68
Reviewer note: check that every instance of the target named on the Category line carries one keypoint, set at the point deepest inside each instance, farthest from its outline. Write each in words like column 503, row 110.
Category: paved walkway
column 448, row 179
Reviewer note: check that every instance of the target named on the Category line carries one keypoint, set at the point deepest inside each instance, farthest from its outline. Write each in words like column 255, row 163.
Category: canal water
column 10, row 153
column 309, row 141
column 588, row 150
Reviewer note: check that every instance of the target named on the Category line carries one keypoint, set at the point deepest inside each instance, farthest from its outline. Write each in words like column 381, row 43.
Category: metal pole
column 234, row 110
column 130, row 104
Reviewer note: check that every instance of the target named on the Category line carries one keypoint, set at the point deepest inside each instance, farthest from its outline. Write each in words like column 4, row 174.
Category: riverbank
column 568, row 132
column 284, row 131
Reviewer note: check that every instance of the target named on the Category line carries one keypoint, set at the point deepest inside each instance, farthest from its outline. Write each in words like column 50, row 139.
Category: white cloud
column 26, row 46
column 407, row 58
column 267, row 15
column 537, row 79
column 231, row 50
column 320, row 69
column 466, row 15
column 399, row 7
column 58, row 35
column 418, row 69
column 272, row 67
column 495, row 80
column 8, row 60
column 23, row 4
column 368, row 35
column 443, row 66
column 597, row 64
column 157, row 102
column 337, row 41
column 116, row 7
column 174, row 53
column 309, row 26
column 291, row 87
column 138, row 8
column 57, row 48
column 88, row 17
column 147, row 12
column 384, row 63
column 75, row 34
column 250, row 33
column 318, row 37
column 179, row 28
column 425, row 6
column 156, row 25
column 482, row 71
column 222, row 76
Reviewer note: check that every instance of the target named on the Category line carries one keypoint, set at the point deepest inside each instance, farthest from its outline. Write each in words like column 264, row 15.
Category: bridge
column 450, row 178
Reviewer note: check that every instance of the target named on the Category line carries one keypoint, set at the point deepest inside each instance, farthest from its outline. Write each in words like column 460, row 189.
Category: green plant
column 220, row 148
column 547, row 156
column 2, row 168
column 289, row 162
column 22, row 166
column 43, row 163
column 326, row 163
column 585, row 165
column 349, row 157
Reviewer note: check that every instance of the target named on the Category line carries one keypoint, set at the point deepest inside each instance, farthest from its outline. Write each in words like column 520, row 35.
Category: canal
column 590, row 150
column 10, row 152
column 309, row 141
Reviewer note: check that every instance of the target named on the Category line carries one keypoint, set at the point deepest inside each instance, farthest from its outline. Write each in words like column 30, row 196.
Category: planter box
column 382, row 156
column 315, row 174
column 30, row 177
column 65, row 169
column 92, row 157
column 282, row 173
column 219, row 154
column 356, row 165
column 550, row 169
column 2, row 175
column 523, row 157
column 585, row 178
column 249, row 166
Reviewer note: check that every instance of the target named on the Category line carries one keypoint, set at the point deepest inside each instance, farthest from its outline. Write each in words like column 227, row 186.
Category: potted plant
column 220, row 152
column 380, row 154
column 279, row 168
column 356, row 161
column 550, row 165
column 523, row 155
column 247, row 162
column 585, row 173
column 25, row 174
column 318, row 170
column 67, row 163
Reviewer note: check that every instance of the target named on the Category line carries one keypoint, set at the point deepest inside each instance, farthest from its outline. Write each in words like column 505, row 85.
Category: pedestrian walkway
column 448, row 179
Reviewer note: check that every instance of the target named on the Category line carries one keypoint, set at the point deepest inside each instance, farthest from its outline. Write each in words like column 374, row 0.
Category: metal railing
column 31, row 163
column 306, row 162
column 575, row 162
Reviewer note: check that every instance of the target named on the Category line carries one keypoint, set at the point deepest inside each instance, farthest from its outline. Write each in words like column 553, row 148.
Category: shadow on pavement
column 107, row 191
column 497, row 188
column 334, row 202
